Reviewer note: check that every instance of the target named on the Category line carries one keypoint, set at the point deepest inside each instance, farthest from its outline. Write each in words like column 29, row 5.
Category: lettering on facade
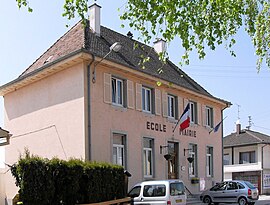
column 187, row 132
column 155, row 126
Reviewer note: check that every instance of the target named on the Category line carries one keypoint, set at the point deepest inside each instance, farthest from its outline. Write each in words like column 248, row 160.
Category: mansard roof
column 80, row 38
column 245, row 138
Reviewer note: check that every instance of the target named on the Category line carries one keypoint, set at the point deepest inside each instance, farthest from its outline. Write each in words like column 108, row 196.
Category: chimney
column 238, row 127
column 94, row 18
column 160, row 46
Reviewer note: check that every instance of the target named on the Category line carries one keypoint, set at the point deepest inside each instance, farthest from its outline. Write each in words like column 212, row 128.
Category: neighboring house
column 81, row 99
column 246, row 156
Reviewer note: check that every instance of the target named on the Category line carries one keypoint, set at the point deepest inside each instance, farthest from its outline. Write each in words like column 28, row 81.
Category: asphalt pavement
column 263, row 200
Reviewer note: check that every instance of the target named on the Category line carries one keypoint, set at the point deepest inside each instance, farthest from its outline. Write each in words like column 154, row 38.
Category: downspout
column 222, row 149
column 89, row 157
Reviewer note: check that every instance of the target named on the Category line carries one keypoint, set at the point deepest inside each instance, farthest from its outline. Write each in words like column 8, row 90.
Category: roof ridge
column 247, row 131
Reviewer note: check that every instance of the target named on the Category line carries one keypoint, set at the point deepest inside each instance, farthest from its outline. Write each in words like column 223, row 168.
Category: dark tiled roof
column 80, row 37
column 246, row 137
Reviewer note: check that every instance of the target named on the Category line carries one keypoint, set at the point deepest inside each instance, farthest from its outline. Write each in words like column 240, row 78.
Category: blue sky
column 25, row 36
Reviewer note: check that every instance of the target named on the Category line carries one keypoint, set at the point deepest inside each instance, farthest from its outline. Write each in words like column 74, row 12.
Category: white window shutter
column 107, row 88
column 203, row 115
column 138, row 96
column 165, row 104
column 199, row 113
column 130, row 94
column 180, row 106
column 157, row 102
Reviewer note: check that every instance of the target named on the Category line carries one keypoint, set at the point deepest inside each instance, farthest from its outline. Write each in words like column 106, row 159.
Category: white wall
column 2, row 187
column 2, row 157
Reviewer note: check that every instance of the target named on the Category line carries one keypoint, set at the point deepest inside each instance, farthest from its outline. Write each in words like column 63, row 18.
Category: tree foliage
column 200, row 24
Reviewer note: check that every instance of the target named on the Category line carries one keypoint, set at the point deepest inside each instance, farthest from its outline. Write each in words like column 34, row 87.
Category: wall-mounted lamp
column 161, row 147
column 4, row 137
column 186, row 150
column 114, row 47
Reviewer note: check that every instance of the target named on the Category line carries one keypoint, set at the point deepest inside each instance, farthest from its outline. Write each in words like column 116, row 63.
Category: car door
column 231, row 193
column 217, row 192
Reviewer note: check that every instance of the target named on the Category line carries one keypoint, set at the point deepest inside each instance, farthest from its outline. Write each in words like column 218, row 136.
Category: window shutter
column 107, row 88
column 130, row 94
column 203, row 115
column 180, row 106
column 157, row 102
column 165, row 104
column 199, row 113
column 138, row 96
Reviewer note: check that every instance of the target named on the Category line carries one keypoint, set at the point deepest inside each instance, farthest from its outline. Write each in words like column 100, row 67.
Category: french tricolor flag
column 185, row 118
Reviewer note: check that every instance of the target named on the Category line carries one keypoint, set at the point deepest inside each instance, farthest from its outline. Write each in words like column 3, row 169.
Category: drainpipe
column 222, row 151
column 262, row 168
column 88, row 152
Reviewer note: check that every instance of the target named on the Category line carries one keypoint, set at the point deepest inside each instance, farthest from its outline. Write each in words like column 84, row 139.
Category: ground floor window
column 209, row 161
column 148, row 157
column 193, row 165
column 119, row 149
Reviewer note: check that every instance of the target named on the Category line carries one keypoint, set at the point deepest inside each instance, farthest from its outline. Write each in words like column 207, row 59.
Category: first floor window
column 148, row 157
column 119, row 156
column 117, row 91
column 146, row 99
column 209, row 161
column 193, row 112
column 209, row 117
column 193, row 164
column 247, row 157
column 171, row 106
column 226, row 159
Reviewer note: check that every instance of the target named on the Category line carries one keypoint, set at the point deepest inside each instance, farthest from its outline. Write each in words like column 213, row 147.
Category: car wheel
column 242, row 201
column 207, row 200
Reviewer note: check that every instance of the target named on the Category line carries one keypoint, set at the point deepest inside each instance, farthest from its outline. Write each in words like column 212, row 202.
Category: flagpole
column 221, row 122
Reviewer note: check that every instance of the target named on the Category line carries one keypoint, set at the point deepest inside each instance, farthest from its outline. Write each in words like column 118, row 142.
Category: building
column 83, row 99
column 246, row 157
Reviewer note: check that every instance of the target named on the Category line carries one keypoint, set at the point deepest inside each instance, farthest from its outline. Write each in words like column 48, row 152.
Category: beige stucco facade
column 49, row 115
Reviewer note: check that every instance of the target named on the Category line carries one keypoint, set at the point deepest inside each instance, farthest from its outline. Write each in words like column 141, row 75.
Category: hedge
column 46, row 182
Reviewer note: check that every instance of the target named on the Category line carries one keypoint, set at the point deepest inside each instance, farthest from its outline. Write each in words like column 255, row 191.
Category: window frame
column 250, row 157
column 117, row 98
column 193, row 166
column 209, row 117
column 148, row 168
column 209, row 161
column 193, row 112
column 147, row 99
column 172, row 106
column 120, row 150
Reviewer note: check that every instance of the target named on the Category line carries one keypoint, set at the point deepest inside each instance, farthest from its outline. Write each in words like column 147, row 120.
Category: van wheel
column 207, row 200
column 242, row 201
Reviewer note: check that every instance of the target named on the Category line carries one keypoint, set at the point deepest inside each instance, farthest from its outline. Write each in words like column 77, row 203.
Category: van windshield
column 177, row 188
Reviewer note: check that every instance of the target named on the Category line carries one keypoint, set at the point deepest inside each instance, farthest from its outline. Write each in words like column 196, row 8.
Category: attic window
column 48, row 59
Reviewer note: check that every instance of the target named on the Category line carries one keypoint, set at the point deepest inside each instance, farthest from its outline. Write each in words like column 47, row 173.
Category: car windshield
column 249, row 185
column 135, row 192
column 217, row 187
column 177, row 188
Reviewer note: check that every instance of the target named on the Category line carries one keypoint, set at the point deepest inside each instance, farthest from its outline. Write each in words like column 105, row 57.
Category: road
column 263, row 200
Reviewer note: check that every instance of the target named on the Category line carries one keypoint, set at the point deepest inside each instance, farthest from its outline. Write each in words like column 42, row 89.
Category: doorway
column 173, row 160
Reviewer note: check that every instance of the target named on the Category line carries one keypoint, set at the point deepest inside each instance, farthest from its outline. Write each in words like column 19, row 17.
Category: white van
column 162, row 192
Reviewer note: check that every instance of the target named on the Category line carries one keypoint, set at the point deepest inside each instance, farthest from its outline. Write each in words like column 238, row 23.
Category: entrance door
column 173, row 161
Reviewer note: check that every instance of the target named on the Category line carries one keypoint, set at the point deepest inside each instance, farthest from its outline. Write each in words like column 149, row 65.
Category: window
column 226, row 159
column 193, row 112
column 193, row 165
column 209, row 117
column 156, row 190
column 209, row 161
column 246, row 157
column 119, row 142
column 171, row 106
column 148, row 157
column 146, row 99
column 117, row 91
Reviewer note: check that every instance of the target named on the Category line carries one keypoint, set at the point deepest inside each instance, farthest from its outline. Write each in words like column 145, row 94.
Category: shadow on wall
column 62, row 87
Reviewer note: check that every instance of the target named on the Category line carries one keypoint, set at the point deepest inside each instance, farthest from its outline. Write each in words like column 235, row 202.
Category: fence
column 126, row 200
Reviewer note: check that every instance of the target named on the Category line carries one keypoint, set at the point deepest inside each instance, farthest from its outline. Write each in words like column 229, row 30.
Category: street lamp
column 114, row 47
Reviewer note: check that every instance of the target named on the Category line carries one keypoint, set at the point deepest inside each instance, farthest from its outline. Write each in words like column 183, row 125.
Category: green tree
column 200, row 24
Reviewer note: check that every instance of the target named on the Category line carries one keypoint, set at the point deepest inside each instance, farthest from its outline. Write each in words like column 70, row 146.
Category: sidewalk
column 264, row 197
